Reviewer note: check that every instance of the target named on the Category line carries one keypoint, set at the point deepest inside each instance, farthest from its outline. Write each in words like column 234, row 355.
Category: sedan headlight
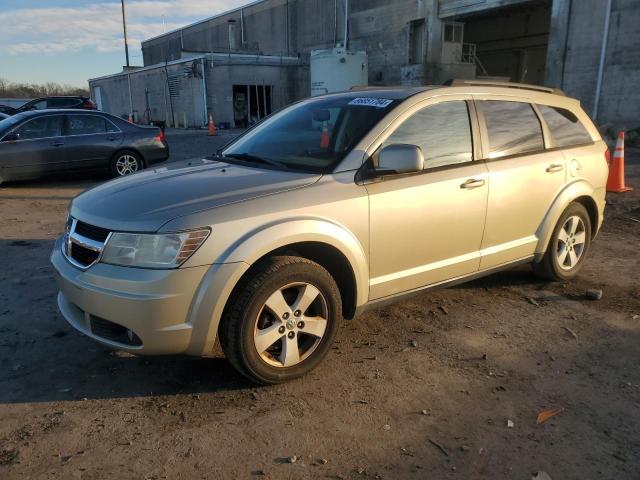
column 167, row 250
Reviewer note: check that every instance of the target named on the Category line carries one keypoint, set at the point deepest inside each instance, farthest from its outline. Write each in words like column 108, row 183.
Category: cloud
column 98, row 26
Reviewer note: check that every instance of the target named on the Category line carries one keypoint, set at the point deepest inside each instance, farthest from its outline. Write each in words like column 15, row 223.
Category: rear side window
column 513, row 128
column 86, row 124
column 564, row 126
column 442, row 131
column 61, row 102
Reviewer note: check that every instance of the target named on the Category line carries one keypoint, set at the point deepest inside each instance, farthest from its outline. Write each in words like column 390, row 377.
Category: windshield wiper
column 248, row 157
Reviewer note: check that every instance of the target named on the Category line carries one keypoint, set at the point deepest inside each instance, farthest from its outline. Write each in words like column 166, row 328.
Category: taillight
column 89, row 105
column 160, row 136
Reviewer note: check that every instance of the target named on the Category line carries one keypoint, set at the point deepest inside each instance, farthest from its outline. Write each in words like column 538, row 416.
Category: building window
column 452, row 32
column 416, row 41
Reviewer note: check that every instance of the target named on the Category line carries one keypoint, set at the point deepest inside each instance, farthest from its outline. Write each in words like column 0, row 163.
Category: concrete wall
column 296, row 27
column 188, row 98
column 285, row 82
column 381, row 28
column 453, row 8
column 288, row 82
column 574, row 55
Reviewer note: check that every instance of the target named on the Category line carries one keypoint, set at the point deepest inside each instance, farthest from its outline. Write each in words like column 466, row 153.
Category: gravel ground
column 447, row 385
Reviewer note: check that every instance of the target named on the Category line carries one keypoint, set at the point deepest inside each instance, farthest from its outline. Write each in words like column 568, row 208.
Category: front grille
column 114, row 332
column 91, row 231
column 84, row 256
column 84, row 243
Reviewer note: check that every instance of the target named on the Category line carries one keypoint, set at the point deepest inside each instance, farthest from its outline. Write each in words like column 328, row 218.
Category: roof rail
column 364, row 88
column 490, row 83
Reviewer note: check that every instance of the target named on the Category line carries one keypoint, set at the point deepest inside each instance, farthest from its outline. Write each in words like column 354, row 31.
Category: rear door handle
column 472, row 183
column 111, row 139
column 57, row 144
column 554, row 167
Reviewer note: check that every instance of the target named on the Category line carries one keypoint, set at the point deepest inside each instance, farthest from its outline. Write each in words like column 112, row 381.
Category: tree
column 32, row 90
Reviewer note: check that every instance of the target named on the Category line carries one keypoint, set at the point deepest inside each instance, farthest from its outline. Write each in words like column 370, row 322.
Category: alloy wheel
column 127, row 164
column 291, row 324
column 571, row 242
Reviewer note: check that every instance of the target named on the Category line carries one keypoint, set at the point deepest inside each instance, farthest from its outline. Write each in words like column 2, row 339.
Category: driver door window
column 442, row 131
column 43, row 127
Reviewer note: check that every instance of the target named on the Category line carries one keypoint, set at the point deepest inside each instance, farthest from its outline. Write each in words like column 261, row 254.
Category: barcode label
column 371, row 102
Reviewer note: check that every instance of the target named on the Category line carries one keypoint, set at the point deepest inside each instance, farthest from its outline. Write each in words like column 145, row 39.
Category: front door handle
column 57, row 144
column 554, row 167
column 472, row 183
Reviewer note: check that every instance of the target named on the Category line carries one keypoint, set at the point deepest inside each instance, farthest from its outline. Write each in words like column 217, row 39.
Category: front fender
column 217, row 285
column 258, row 243
column 579, row 188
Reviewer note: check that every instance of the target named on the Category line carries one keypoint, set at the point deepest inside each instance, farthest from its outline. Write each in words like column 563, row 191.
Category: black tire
column 549, row 267
column 247, row 308
column 132, row 156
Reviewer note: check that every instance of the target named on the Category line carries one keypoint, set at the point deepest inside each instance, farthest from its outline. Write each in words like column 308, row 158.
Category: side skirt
column 398, row 297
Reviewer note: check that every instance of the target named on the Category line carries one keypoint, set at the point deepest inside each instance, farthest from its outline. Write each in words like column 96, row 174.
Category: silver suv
column 328, row 207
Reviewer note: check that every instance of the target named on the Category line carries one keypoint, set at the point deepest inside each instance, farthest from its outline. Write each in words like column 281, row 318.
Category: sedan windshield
column 312, row 136
column 7, row 123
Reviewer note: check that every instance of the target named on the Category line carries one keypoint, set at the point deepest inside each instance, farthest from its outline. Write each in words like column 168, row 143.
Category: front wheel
column 282, row 321
column 125, row 163
column 568, row 246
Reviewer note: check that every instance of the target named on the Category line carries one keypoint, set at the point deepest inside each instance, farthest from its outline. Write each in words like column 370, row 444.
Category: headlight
column 169, row 250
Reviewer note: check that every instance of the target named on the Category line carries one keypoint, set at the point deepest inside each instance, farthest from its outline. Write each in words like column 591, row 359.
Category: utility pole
column 124, row 27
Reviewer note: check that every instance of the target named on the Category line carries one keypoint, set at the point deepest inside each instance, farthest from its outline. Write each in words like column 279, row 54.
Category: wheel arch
column 327, row 256
column 330, row 245
column 121, row 149
column 580, row 192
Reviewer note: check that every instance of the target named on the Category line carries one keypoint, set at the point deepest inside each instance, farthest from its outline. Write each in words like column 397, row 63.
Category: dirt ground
column 446, row 386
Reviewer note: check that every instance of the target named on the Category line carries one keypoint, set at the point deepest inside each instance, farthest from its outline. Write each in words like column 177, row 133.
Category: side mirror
column 11, row 137
column 400, row 158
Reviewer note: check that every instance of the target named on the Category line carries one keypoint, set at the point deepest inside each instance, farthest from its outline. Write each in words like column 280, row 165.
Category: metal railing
column 469, row 56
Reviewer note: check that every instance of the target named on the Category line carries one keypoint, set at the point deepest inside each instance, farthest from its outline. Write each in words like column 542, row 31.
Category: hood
column 145, row 201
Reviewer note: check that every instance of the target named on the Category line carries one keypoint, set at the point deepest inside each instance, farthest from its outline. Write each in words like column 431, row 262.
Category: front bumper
column 164, row 311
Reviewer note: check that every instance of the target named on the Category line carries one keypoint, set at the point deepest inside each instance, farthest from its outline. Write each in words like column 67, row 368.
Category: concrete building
column 241, row 65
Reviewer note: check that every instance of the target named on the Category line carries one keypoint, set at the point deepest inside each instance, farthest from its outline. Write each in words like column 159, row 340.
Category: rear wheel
column 125, row 163
column 568, row 246
column 282, row 321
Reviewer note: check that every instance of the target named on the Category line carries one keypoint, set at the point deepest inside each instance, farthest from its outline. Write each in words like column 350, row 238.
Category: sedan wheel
column 126, row 164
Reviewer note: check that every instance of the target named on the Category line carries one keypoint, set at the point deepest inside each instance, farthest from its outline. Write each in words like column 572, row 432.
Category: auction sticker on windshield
column 371, row 102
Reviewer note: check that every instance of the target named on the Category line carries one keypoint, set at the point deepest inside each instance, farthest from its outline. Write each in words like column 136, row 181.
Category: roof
column 392, row 92
column 46, row 111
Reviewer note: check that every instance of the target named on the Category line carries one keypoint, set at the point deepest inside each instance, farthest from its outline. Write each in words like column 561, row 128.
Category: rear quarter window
column 564, row 126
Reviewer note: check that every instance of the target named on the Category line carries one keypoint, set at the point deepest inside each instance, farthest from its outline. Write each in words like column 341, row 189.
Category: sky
column 70, row 41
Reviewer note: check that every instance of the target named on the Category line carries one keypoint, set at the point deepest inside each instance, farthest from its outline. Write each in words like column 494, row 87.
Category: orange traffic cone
column 212, row 127
column 130, row 118
column 615, row 182
column 324, row 138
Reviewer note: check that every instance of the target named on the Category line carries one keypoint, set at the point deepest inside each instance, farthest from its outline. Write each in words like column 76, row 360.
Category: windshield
column 8, row 123
column 312, row 136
